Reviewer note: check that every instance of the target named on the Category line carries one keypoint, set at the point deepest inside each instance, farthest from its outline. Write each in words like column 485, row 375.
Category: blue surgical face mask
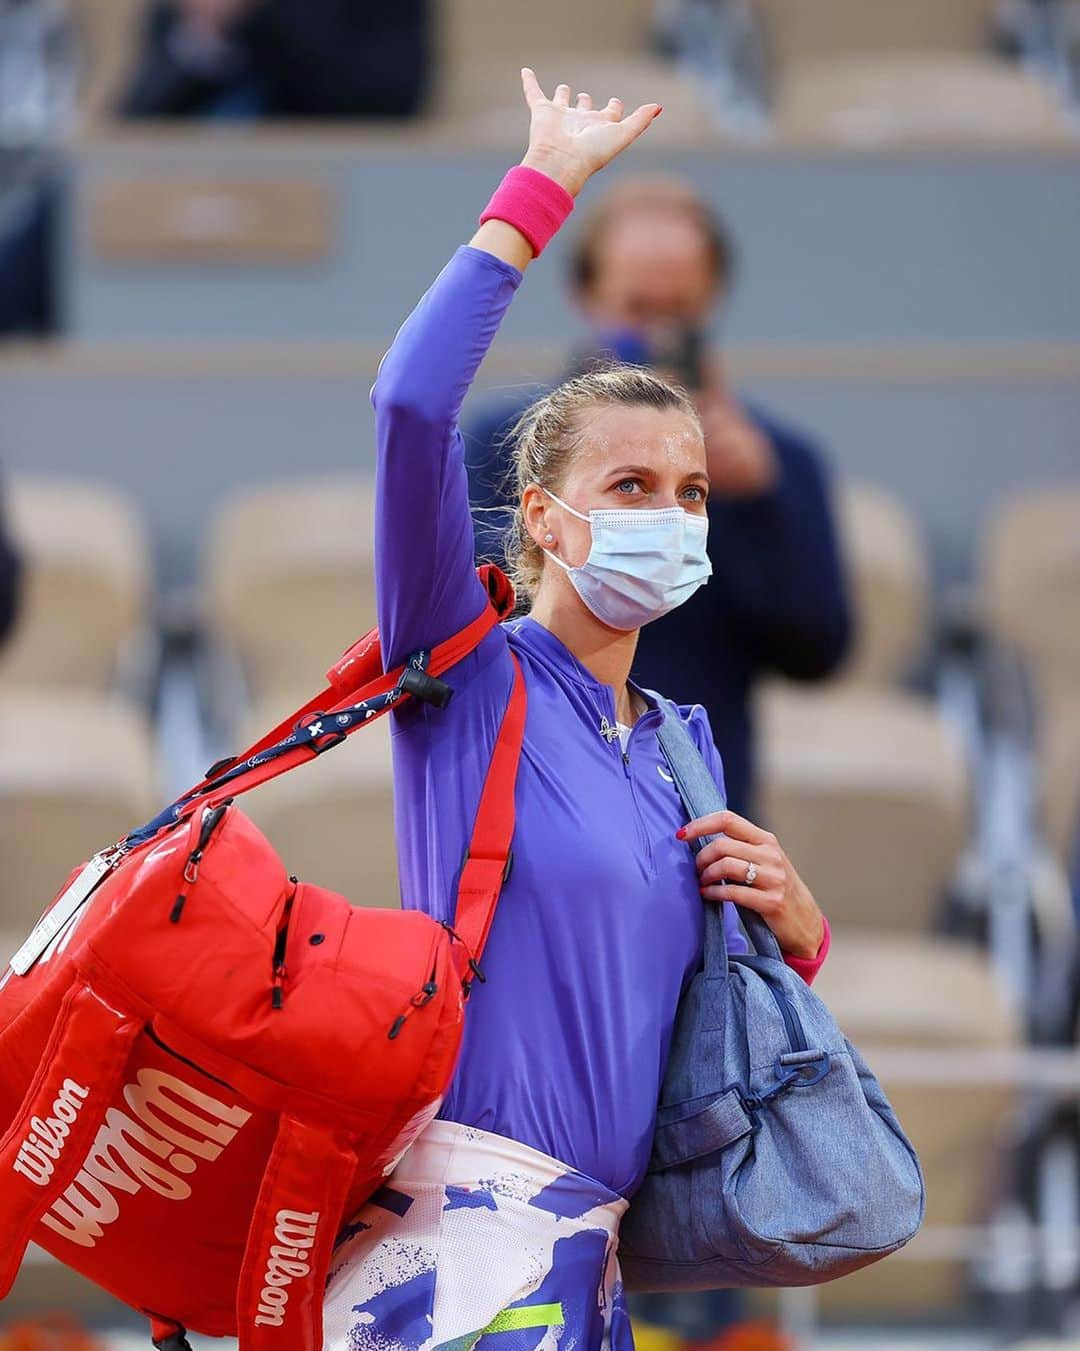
column 641, row 564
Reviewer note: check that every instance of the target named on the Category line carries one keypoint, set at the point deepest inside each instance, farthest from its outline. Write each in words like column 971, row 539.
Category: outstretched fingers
column 636, row 122
column 531, row 87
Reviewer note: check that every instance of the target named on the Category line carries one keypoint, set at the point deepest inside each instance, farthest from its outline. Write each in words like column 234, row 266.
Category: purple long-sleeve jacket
column 601, row 923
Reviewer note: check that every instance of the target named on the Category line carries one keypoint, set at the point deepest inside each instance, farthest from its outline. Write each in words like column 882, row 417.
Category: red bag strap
column 487, row 862
column 349, row 688
column 50, row 1136
column 290, row 1240
column 358, row 674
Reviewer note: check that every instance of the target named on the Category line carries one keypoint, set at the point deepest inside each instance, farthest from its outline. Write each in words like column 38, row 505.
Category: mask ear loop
column 549, row 553
column 567, row 507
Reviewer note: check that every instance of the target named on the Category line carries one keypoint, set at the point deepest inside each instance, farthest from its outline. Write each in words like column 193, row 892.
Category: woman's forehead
column 612, row 436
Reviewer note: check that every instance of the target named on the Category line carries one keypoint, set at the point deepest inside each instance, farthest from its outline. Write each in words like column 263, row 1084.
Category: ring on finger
column 751, row 874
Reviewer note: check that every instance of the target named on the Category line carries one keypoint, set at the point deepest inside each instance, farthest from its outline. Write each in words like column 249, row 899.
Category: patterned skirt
column 478, row 1238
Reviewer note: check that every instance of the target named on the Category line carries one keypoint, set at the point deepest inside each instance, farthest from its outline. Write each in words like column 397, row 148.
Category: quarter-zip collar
column 544, row 645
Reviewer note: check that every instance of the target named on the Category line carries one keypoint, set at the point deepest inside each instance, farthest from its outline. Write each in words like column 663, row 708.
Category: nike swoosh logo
column 664, row 774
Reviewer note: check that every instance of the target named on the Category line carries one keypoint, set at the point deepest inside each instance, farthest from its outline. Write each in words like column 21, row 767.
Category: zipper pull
column 277, row 989
column 211, row 821
column 422, row 997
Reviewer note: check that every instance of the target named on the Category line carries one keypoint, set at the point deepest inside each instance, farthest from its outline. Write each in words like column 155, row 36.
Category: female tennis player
column 503, row 1217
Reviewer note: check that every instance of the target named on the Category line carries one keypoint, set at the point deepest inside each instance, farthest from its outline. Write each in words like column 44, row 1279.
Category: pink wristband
column 808, row 967
column 530, row 202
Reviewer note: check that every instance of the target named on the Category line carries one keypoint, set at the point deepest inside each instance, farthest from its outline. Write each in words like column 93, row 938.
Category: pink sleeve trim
column 808, row 967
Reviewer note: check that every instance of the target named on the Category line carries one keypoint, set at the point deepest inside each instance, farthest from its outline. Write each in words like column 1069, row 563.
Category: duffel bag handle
column 46, row 1144
column 700, row 796
column 291, row 1239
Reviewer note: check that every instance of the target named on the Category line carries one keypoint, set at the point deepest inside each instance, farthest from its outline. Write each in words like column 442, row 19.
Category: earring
column 548, row 537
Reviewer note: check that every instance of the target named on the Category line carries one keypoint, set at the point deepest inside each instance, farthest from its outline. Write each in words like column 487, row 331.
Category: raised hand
column 571, row 141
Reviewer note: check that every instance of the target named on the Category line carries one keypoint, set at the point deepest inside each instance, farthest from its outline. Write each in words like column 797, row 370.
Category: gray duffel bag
column 777, row 1159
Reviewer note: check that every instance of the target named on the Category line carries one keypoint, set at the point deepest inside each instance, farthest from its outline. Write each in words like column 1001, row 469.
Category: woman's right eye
column 625, row 483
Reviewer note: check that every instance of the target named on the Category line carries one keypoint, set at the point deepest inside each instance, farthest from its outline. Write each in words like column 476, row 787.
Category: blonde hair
column 547, row 435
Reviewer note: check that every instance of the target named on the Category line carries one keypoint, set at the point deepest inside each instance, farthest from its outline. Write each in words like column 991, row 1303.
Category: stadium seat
column 868, row 791
column 798, row 32
column 108, row 35
column 1031, row 582
column 333, row 823
column 886, row 561
column 87, row 586
column 602, row 47
column 75, row 776
column 915, row 992
column 482, row 29
column 290, row 581
column 864, row 74
column 1059, row 777
column 897, row 98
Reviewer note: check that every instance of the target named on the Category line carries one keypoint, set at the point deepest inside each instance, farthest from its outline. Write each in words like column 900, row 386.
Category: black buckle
column 420, row 685
column 474, row 966
column 220, row 765
column 508, row 866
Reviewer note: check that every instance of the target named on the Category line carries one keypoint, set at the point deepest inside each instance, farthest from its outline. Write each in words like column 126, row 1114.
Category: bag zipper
column 281, row 939
column 423, row 996
column 796, row 1035
column 211, row 820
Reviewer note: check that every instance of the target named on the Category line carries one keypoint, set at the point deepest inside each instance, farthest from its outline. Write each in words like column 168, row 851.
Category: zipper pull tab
column 423, row 996
column 277, row 989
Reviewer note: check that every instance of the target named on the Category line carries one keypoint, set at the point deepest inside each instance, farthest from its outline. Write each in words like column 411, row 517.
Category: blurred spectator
column 10, row 571
column 39, row 72
column 651, row 264
column 280, row 58
column 28, row 302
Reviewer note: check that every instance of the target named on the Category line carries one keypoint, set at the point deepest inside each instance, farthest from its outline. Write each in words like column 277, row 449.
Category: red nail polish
column 680, row 834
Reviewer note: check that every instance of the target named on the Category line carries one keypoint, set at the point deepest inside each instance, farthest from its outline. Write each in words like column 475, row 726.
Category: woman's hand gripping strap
column 291, row 1239
column 487, row 863
column 46, row 1145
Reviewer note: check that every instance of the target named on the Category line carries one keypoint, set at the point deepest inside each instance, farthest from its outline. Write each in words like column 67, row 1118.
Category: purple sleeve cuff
column 808, row 967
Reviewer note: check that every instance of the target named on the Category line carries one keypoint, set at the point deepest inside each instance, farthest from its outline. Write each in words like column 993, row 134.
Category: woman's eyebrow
column 646, row 471
column 632, row 469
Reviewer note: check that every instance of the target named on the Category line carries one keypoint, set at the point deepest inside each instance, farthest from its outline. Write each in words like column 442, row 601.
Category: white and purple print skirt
column 476, row 1238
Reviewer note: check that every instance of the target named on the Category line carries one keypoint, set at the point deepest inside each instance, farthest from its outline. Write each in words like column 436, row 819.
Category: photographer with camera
column 650, row 266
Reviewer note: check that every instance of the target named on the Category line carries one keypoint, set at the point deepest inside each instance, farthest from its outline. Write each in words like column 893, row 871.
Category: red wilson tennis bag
column 206, row 1065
